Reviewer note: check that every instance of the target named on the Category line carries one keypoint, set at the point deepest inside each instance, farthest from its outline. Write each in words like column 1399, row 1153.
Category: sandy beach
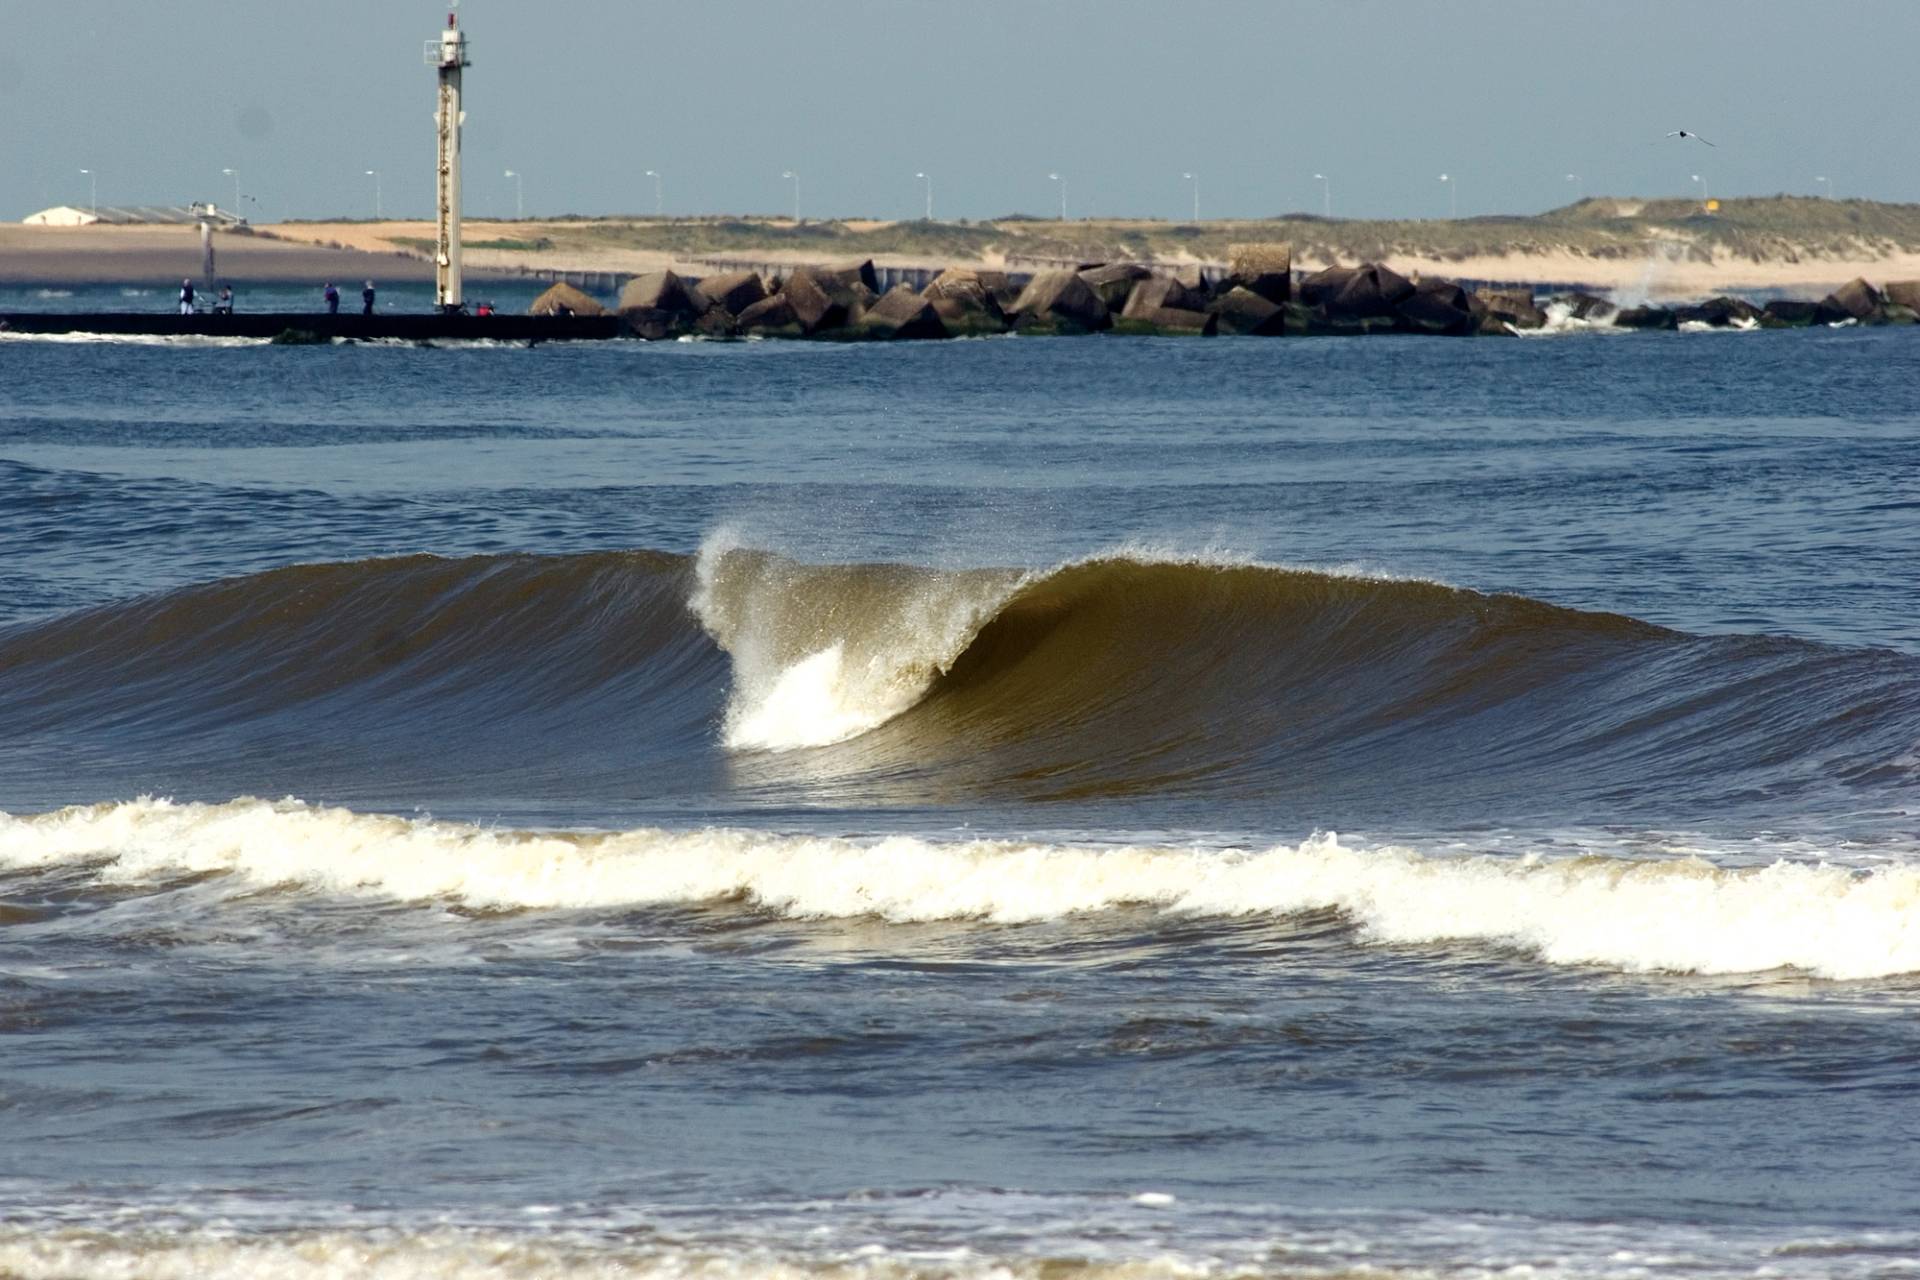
column 396, row 251
column 1668, row 272
column 1662, row 278
column 164, row 254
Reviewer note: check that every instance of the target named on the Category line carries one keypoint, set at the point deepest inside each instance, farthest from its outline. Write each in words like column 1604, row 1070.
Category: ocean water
column 1011, row 808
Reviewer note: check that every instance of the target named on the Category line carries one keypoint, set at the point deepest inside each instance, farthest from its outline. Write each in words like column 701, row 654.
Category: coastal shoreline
column 1673, row 261
column 153, row 254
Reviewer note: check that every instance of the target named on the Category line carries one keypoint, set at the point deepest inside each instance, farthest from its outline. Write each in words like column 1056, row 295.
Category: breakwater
column 310, row 326
column 1258, row 294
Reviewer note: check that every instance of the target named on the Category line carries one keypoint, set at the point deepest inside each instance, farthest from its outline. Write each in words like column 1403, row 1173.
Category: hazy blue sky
column 1120, row 96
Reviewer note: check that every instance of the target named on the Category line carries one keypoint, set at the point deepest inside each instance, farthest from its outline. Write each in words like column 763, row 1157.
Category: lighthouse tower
column 448, row 55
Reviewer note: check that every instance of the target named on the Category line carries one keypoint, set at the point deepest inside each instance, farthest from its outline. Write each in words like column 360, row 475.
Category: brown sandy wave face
column 381, row 680
column 1125, row 677
column 746, row 674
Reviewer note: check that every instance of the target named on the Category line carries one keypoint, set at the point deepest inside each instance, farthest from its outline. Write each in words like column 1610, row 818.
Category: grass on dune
column 1774, row 228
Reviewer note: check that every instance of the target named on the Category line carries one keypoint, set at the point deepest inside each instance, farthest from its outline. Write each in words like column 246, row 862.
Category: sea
column 1028, row 809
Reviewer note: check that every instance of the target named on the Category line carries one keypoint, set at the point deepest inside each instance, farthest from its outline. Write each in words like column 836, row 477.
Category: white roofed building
column 62, row 216
column 143, row 215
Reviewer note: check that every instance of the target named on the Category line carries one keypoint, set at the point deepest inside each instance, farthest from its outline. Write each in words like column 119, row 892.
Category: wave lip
column 1684, row 916
column 824, row 653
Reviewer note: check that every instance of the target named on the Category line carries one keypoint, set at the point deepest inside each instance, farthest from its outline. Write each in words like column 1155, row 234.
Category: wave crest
column 605, row 676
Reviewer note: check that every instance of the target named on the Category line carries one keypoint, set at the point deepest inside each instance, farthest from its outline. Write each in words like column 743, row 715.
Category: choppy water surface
column 1001, row 807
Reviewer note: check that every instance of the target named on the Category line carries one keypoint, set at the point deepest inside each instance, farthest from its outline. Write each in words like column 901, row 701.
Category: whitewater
column 1678, row 914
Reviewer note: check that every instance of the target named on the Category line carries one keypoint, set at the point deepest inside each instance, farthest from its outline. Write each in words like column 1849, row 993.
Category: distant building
column 131, row 215
column 63, row 216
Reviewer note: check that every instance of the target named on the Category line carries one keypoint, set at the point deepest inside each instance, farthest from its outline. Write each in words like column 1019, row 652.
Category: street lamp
column 1326, row 195
column 929, row 181
column 1054, row 177
column 1579, row 187
column 1194, row 178
column 93, row 192
column 519, row 196
column 379, row 214
column 1703, row 188
column 1453, row 195
column 659, row 200
column 235, row 175
column 796, row 194
column 1829, row 182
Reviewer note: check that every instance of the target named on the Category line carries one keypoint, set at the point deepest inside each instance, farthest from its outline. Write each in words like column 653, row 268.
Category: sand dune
column 1669, row 268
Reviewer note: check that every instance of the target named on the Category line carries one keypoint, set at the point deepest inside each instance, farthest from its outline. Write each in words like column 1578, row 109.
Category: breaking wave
column 1680, row 915
column 824, row 653
column 739, row 672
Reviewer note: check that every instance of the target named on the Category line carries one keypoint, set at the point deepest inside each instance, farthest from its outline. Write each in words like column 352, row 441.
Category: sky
column 1121, row 98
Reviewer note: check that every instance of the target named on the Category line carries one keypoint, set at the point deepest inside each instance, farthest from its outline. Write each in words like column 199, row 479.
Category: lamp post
column 519, row 195
column 1703, row 188
column 1453, row 195
column 1326, row 195
column 1829, row 182
column 1579, row 187
column 1054, row 177
column 1194, row 178
column 659, row 200
column 379, row 213
column 795, row 178
column 235, row 175
column 929, row 181
column 93, row 192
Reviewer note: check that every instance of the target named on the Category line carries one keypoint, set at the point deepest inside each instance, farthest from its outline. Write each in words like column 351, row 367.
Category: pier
column 308, row 326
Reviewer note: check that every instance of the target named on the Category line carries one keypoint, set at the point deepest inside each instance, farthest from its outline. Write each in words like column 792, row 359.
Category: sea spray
column 824, row 653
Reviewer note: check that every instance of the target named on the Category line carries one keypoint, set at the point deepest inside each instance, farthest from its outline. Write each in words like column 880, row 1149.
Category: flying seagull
column 1683, row 134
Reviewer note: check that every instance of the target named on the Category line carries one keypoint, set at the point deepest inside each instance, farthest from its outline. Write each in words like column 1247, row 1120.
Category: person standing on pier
column 366, row 298
column 332, row 295
column 186, row 297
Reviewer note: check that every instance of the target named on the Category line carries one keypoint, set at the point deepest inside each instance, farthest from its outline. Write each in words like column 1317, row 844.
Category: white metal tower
column 449, row 55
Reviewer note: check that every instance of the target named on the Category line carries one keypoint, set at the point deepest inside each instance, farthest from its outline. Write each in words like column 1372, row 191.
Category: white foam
column 435, row 1255
column 457, row 1255
column 136, row 339
column 1561, row 321
column 809, row 669
column 1684, row 916
column 981, row 1236
column 437, row 344
column 814, row 701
